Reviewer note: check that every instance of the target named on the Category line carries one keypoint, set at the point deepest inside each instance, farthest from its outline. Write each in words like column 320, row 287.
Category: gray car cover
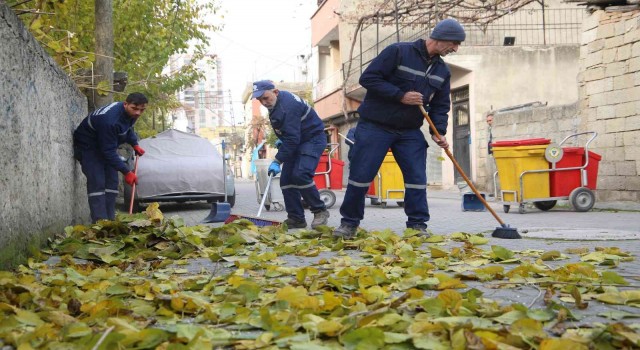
column 177, row 162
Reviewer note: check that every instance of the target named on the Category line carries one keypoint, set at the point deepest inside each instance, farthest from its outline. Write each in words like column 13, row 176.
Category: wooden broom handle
column 133, row 187
column 455, row 163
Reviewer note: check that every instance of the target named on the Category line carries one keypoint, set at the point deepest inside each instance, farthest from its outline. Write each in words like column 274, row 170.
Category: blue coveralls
column 96, row 141
column 386, row 123
column 303, row 141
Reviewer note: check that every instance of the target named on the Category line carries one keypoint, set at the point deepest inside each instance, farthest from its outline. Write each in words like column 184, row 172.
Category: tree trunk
column 103, row 69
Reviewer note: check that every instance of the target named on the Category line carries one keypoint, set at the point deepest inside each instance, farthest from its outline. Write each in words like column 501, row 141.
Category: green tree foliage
column 146, row 34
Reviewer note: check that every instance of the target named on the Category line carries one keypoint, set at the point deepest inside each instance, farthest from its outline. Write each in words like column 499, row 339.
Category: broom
column 257, row 220
column 504, row 231
column 133, row 187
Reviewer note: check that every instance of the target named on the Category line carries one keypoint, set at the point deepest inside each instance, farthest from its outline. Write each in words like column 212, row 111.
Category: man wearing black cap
column 301, row 131
column 401, row 78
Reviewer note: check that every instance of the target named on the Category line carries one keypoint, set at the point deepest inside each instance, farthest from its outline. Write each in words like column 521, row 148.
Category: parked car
column 180, row 167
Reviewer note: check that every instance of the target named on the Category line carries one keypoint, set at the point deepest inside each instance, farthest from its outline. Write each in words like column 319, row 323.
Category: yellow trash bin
column 512, row 159
column 389, row 184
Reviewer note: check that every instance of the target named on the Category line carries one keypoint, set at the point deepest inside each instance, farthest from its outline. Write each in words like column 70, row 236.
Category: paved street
column 605, row 222
column 608, row 225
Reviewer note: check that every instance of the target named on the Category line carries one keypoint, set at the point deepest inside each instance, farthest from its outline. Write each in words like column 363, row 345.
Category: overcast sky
column 262, row 40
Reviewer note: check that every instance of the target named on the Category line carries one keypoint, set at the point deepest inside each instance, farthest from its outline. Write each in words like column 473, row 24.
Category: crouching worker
column 95, row 144
column 301, row 131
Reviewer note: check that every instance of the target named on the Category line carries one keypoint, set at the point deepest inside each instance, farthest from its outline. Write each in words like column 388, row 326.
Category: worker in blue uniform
column 301, row 132
column 95, row 143
column 402, row 77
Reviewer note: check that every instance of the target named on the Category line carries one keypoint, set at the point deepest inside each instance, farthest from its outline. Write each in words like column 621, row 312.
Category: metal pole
column 397, row 27
column 224, row 171
column 544, row 25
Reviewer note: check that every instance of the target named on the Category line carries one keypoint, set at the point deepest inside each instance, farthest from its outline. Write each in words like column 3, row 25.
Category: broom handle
column 455, row 163
column 133, row 187
column 264, row 196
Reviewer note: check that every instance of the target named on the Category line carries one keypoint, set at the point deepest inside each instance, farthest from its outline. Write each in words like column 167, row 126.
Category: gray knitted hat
column 448, row 30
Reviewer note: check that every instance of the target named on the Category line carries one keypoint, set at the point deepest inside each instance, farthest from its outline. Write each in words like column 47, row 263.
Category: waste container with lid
column 513, row 158
column 563, row 182
column 275, row 197
column 324, row 174
column 388, row 184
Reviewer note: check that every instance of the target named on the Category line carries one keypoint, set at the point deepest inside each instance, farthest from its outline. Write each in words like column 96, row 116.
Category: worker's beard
column 275, row 100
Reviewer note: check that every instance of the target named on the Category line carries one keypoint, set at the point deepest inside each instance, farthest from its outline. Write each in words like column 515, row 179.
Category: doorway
column 461, row 131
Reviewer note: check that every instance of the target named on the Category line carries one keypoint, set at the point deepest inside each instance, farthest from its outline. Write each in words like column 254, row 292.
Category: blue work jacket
column 400, row 68
column 105, row 129
column 295, row 122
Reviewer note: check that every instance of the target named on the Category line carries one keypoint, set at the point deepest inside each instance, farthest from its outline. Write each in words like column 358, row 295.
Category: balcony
column 531, row 27
column 328, row 85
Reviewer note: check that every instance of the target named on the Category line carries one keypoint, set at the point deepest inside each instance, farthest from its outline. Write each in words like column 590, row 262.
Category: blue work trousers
column 371, row 145
column 296, row 180
column 102, row 185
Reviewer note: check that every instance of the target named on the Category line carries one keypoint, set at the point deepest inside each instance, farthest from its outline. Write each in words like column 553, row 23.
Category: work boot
column 422, row 230
column 320, row 218
column 293, row 223
column 345, row 231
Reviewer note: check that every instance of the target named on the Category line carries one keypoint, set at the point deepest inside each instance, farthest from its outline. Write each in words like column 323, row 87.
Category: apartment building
column 511, row 57
column 202, row 104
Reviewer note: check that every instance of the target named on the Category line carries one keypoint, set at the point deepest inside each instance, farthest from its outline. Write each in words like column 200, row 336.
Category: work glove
column 130, row 178
column 274, row 168
column 278, row 143
column 139, row 151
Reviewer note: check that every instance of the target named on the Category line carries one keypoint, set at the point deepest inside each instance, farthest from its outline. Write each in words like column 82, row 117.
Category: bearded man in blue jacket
column 401, row 78
column 95, row 144
column 301, row 131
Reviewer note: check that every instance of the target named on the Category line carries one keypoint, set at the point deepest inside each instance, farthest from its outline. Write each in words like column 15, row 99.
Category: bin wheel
column 277, row 206
column 375, row 201
column 401, row 204
column 506, row 208
column 328, row 197
column 582, row 199
column 521, row 208
column 267, row 206
column 545, row 205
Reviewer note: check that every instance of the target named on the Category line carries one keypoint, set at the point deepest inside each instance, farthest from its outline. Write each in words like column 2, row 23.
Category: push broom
column 504, row 231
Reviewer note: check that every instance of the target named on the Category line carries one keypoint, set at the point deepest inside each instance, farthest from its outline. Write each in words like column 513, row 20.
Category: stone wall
column 609, row 99
column 41, row 187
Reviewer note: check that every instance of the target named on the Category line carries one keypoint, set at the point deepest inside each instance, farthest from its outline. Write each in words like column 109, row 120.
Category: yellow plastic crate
column 511, row 161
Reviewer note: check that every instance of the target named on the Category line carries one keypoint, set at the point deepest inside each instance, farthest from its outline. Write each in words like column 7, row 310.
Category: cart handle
column 332, row 148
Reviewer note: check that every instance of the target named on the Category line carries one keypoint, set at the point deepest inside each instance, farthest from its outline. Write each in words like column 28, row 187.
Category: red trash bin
column 335, row 175
column 563, row 182
column 323, row 165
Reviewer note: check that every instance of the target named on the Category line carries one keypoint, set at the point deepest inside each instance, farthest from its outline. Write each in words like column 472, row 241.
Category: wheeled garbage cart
column 540, row 172
column 275, row 199
column 328, row 175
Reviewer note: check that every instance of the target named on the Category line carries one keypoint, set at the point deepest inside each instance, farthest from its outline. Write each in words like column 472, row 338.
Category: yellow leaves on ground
column 298, row 298
column 147, row 282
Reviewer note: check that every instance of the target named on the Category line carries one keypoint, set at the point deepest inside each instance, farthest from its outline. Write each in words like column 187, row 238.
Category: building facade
column 509, row 58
